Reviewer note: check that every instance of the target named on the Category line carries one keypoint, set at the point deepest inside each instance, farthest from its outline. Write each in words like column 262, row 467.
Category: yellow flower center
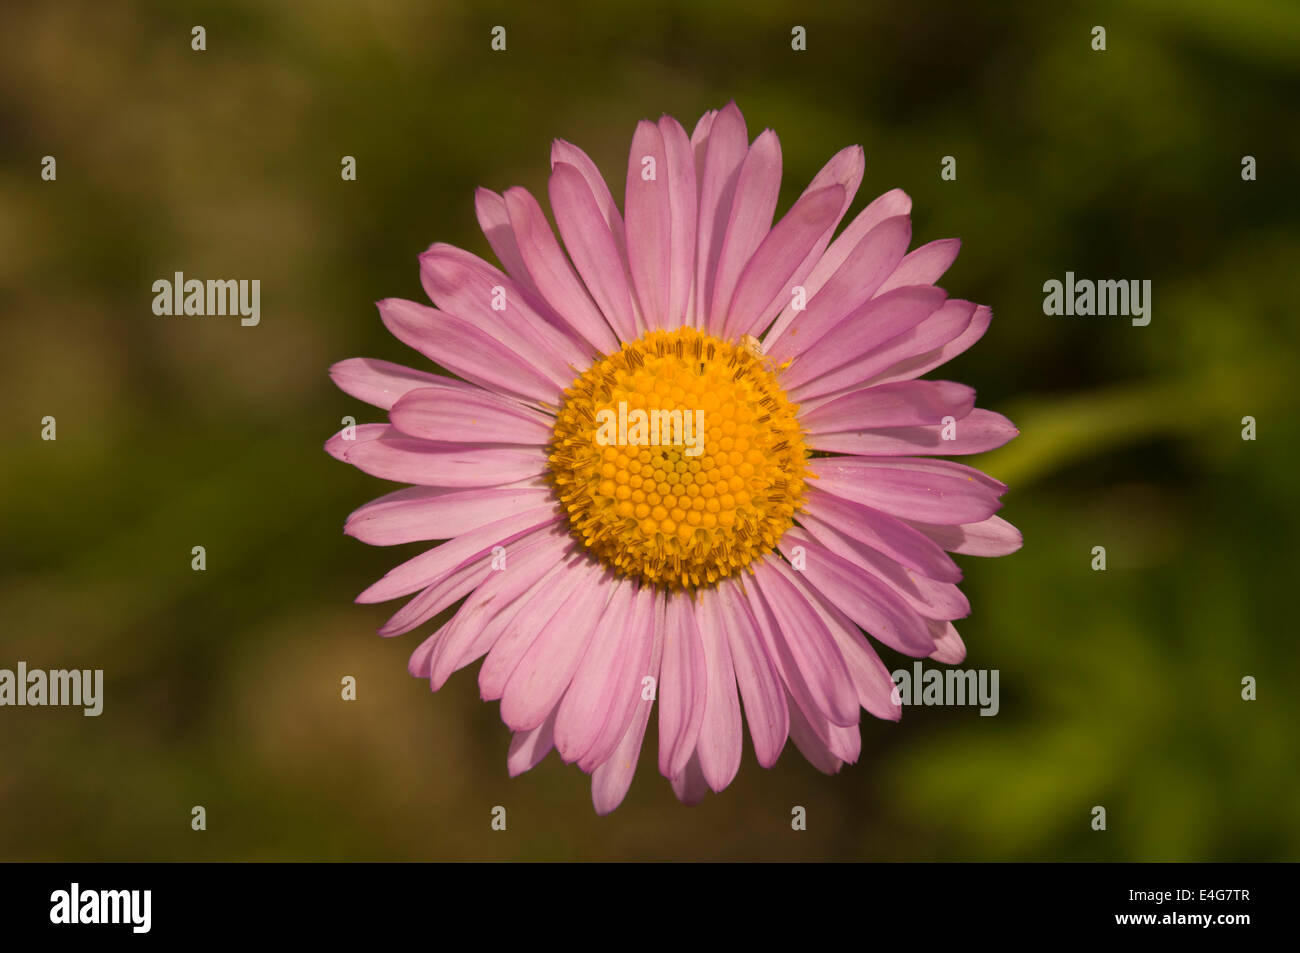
column 679, row 458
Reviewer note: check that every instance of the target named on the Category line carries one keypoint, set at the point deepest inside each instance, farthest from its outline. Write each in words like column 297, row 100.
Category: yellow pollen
column 679, row 459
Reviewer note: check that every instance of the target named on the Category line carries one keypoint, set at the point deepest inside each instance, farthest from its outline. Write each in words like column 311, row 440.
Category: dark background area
column 1119, row 688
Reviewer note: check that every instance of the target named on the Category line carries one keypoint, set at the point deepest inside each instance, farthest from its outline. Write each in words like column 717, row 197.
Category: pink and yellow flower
column 599, row 571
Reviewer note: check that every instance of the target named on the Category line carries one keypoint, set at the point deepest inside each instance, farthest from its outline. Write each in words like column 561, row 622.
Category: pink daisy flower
column 686, row 459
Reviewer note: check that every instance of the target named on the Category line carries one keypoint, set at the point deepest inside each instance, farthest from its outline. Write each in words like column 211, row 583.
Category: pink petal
column 924, row 265
column 468, row 287
column 862, row 597
column 446, row 590
column 528, row 748
column 902, row 404
column 992, row 537
column 977, row 432
column 569, row 154
column 611, row 725
column 479, row 622
column 862, row 332
column 871, row 678
column 425, row 513
column 804, row 650
column 469, row 352
column 929, row 465
column 611, row 779
column 700, row 142
column 552, row 274
column 946, row 340
column 593, row 249
column 724, row 153
column 546, row 669
column 719, row 746
column 927, row 597
column 421, row 660
column 948, row 646
column 379, row 383
column 439, row 595
column 682, row 686
column 558, row 596
column 464, row 415
column 844, row 169
column 402, row 459
column 760, row 685
column 690, row 786
column 749, row 222
column 892, row 360
column 889, row 205
column 494, row 220
column 801, row 701
column 699, row 151
column 594, row 690
column 649, row 224
column 813, row 748
column 768, row 273
column 683, row 200
column 852, row 285
column 843, row 742
column 343, row 442
column 909, row 493
column 894, row 537
column 426, row 568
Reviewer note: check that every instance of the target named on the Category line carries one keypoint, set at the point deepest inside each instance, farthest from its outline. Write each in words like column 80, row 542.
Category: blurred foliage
column 1119, row 688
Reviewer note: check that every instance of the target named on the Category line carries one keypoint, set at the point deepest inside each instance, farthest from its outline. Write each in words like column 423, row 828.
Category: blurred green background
column 1119, row 688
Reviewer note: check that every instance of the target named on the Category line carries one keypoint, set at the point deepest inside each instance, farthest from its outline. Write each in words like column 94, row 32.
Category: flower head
column 688, row 462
